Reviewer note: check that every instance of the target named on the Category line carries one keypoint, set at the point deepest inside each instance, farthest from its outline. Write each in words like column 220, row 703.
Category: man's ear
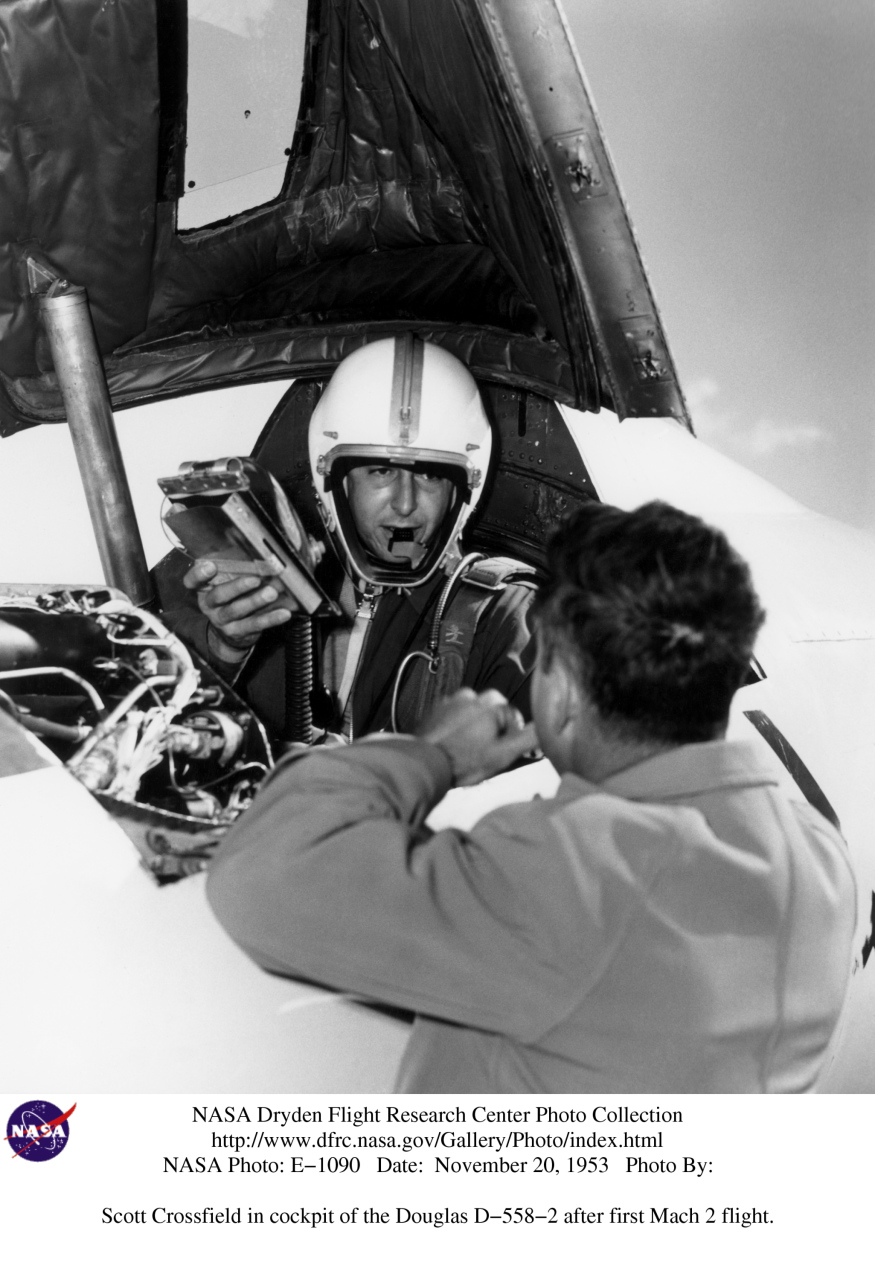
column 566, row 695
column 559, row 693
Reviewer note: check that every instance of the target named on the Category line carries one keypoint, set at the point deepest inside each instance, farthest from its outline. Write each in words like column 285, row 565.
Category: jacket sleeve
column 332, row 876
column 178, row 605
column 181, row 613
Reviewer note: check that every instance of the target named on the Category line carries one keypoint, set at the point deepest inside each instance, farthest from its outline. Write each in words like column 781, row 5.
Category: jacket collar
column 685, row 771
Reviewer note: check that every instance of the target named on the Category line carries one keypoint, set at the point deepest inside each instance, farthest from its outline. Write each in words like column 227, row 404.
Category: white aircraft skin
column 125, row 987
column 134, row 988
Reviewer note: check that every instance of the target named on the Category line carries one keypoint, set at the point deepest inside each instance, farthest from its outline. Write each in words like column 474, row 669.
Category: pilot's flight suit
column 494, row 599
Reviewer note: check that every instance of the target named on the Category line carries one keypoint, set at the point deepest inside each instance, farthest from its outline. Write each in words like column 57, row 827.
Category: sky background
column 741, row 131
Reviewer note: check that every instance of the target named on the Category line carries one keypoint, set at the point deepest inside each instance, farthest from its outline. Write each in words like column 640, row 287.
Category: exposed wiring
column 106, row 726
column 154, row 708
column 25, row 672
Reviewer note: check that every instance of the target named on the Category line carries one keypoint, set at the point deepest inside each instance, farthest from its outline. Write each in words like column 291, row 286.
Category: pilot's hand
column 238, row 609
column 480, row 732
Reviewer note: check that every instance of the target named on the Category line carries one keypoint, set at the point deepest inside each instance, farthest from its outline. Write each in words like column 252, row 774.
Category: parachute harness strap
column 432, row 656
column 361, row 625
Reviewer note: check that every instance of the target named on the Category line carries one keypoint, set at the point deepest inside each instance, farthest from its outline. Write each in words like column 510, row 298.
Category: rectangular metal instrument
column 233, row 512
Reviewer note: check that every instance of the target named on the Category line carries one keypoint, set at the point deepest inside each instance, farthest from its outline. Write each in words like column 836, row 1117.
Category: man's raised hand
column 238, row 608
column 481, row 733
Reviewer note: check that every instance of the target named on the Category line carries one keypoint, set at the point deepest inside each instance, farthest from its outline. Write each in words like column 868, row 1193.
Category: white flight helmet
column 407, row 403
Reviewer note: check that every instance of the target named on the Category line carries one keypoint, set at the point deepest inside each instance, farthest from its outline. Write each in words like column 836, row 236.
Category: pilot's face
column 397, row 510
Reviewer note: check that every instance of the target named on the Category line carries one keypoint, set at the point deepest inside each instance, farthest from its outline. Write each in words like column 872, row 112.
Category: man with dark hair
column 657, row 615
column 669, row 922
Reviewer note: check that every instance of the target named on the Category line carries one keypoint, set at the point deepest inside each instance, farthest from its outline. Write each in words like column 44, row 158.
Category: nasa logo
column 38, row 1130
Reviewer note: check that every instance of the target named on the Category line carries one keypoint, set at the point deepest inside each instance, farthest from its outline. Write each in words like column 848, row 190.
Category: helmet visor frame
column 337, row 464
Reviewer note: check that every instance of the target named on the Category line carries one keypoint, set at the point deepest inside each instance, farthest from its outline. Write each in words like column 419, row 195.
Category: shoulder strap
column 440, row 672
column 493, row 573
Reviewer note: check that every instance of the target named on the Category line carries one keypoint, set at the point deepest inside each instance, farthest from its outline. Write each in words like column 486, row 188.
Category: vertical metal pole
column 67, row 320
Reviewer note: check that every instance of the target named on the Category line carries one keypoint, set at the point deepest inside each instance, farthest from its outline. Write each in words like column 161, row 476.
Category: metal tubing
column 67, row 319
column 299, row 679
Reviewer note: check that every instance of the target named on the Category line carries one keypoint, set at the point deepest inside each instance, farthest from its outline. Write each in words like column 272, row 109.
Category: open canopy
column 446, row 174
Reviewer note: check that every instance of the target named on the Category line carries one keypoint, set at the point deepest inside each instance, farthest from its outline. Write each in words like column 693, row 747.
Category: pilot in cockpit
column 399, row 448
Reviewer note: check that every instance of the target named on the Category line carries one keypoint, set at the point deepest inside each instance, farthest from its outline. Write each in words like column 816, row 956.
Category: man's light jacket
column 682, row 927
